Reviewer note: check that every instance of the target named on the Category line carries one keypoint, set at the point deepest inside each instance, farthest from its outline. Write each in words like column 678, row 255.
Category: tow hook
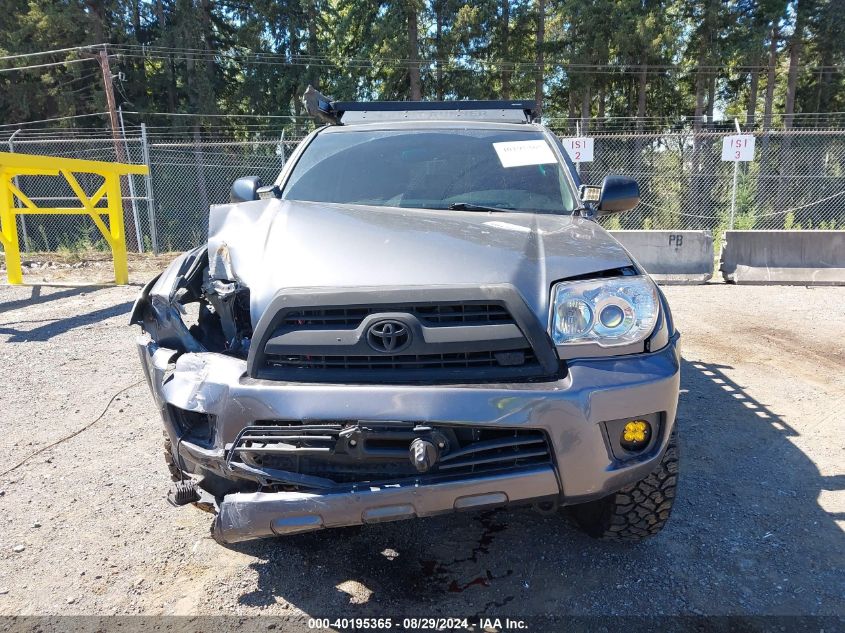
column 424, row 454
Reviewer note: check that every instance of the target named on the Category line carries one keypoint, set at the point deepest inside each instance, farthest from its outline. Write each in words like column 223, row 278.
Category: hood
column 269, row 245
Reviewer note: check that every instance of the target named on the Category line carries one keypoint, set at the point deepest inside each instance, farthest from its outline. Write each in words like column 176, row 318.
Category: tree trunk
column 753, row 87
column 711, row 96
column 413, row 54
column 505, row 50
column 313, row 45
column 701, row 85
column 438, row 10
column 795, row 45
column 770, row 78
column 138, row 63
column 786, row 161
column 207, row 37
column 602, row 99
column 585, row 110
column 641, row 101
column 136, row 20
column 171, row 70
column 541, row 38
column 293, row 37
column 641, row 95
column 699, row 100
column 99, row 12
column 763, row 196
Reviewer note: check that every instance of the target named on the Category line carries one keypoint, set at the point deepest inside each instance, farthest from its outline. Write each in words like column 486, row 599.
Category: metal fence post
column 131, row 181
column 148, row 181
column 736, row 173
column 17, row 184
column 733, row 197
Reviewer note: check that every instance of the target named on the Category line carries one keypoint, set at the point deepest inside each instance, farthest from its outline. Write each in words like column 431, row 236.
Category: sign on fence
column 579, row 148
column 739, row 147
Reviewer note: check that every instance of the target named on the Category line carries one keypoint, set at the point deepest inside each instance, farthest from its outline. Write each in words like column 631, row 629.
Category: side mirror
column 245, row 189
column 618, row 193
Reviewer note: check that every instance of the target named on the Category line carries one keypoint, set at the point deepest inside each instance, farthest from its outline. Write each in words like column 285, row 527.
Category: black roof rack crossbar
column 333, row 111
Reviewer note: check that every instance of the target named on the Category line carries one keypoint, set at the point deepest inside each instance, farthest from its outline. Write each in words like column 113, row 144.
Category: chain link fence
column 797, row 181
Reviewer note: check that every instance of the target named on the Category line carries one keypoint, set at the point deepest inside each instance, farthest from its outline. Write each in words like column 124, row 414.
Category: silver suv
column 419, row 316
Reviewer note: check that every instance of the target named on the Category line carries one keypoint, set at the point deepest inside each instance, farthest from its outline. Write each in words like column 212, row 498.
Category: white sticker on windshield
column 521, row 153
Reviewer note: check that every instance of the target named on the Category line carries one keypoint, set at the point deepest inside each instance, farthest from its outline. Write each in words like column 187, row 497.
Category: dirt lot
column 758, row 528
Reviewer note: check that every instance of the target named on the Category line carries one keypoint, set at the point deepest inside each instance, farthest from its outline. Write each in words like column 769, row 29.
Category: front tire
column 637, row 511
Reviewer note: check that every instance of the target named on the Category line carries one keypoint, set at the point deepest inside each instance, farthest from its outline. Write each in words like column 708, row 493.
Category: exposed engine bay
column 202, row 312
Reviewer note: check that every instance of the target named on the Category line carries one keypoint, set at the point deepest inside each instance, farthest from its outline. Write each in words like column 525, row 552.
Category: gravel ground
column 758, row 527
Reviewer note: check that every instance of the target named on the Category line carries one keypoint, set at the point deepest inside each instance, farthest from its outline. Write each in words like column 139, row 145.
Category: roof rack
column 348, row 112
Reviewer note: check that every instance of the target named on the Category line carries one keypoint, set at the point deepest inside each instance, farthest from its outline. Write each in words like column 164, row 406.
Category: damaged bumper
column 245, row 516
column 207, row 400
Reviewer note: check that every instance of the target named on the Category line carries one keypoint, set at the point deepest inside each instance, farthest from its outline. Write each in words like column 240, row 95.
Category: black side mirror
column 245, row 189
column 618, row 193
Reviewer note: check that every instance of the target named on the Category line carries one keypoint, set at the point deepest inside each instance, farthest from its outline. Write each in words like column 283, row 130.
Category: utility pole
column 119, row 149
column 103, row 58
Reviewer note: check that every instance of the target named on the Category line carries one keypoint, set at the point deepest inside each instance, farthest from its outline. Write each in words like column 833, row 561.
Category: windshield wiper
column 468, row 206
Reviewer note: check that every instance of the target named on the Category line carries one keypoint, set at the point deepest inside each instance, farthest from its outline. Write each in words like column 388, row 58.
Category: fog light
column 635, row 435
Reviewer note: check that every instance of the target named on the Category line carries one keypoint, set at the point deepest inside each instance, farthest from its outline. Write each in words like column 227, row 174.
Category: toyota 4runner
column 420, row 315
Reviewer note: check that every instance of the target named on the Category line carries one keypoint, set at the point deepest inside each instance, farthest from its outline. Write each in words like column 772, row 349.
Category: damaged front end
column 303, row 386
column 279, row 456
column 190, row 307
column 193, row 309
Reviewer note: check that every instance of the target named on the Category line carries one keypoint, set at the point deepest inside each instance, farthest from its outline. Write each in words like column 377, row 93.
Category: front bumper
column 244, row 516
column 571, row 411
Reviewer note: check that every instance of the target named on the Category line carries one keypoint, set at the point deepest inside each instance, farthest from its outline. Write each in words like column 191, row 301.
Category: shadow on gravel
column 54, row 327
column 38, row 297
column 747, row 536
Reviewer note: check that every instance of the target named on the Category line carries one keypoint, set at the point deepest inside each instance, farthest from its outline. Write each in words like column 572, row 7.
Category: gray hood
column 271, row 245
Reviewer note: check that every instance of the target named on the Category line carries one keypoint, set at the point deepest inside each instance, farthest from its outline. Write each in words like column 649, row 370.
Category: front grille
column 460, row 360
column 351, row 452
column 437, row 314
column 444, row 335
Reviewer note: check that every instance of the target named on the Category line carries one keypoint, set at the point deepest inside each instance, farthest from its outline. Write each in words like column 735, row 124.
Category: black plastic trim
column 289, row 300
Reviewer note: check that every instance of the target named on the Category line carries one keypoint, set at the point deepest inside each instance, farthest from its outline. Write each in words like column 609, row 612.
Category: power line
column 58, row 118
column 269, row 58
column 48, row 65
column 257, row 116
column 52, row 52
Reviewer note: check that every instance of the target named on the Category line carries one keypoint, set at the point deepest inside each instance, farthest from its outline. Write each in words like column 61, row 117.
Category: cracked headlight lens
column 608, row 312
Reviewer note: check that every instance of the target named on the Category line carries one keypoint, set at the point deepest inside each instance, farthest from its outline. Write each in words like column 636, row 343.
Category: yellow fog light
column 635, row 435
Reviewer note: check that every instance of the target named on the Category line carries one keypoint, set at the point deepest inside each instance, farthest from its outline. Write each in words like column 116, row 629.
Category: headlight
column 608, row 312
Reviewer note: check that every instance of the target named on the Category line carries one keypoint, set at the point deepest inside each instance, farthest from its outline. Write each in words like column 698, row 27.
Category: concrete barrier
column 671, row 257
column 811, row 258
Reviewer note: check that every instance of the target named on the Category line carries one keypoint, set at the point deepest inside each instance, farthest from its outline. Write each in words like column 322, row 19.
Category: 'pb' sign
column 739, row 147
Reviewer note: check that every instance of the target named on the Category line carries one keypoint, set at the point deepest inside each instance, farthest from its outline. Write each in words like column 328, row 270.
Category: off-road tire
column 175, row 472
column 637, row 511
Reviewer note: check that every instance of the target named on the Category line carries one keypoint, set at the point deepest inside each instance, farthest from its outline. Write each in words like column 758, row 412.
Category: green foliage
column 602, row 58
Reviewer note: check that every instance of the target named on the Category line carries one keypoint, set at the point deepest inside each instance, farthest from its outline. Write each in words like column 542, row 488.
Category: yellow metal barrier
column 12, row 165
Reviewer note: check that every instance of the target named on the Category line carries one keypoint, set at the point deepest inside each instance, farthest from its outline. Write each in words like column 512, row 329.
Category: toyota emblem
column 388, row 336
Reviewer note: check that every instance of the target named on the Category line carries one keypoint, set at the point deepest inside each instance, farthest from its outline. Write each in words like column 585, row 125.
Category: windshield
column 433, row 169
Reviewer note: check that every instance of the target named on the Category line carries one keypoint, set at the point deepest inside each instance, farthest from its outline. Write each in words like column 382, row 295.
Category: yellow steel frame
column 12, row 165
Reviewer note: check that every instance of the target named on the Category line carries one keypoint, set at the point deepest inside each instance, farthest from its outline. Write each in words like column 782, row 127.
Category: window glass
column 430, row 169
